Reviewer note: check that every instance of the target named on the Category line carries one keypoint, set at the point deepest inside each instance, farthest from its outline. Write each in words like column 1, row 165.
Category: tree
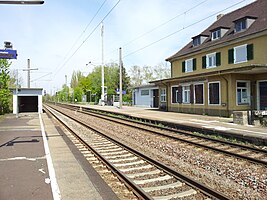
column 145, row 74
column 136, row 75
column 5, row 95
column 75, row 78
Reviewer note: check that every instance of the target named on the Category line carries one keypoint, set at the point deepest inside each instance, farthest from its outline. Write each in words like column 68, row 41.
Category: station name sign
column 260, row 112
column 8, row 54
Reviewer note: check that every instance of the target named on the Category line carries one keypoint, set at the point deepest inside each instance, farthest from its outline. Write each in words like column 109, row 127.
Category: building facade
column 223, row 69
column 146, row 96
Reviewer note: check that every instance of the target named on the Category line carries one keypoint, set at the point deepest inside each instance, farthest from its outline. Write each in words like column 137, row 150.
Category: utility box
column 240, row 117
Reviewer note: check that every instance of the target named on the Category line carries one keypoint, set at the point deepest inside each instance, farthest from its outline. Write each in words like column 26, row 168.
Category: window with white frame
column 240, row 54
column 216, row 34
column 199, row 93
column 242, row 92
column 214, row 93
column 144, row 92
column 196, row 41
column 189, row 65
column 240, row 25
column 211, row 60
column 163, row 95
column 186, row 94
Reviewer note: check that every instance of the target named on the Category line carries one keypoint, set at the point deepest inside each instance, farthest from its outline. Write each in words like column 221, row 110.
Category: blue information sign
column 8, row 54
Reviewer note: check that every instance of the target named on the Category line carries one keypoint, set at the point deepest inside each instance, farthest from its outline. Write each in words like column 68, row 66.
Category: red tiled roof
column 257, row 9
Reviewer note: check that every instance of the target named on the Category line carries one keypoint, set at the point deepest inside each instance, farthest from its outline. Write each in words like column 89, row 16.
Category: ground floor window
column 176, row 94
column 242, row 92
column 199, row 93
column 163, row 95
column 214, row 93
column 186, row 94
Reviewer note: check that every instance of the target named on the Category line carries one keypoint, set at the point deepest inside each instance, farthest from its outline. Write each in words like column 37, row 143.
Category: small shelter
column 27, row 100
column 146, row 96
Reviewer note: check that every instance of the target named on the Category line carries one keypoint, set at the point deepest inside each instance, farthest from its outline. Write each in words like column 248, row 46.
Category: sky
column 61, row 36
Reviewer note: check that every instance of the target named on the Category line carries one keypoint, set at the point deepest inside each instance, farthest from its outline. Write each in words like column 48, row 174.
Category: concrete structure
column 27, row 100
column 224, row 68
column 146, row 96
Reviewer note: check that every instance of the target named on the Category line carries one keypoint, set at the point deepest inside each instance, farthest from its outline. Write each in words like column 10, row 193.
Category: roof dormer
column 199, row 39
column 243, row 23
column 218, row 33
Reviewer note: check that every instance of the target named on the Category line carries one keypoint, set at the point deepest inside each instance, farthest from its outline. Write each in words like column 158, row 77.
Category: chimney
column 219, row 16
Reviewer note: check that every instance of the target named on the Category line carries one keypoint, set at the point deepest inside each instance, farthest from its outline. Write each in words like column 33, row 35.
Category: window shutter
column 180, row 93
column 174, row 95
column 183, row 66
column 204, row 64
column 218, row 59
column 230, row 56
column 250, row 55
column 194, row 64
column 192, row 94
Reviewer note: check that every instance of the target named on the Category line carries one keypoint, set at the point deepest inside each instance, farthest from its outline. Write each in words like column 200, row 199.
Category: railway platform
column 224, row 126
column 38, row 161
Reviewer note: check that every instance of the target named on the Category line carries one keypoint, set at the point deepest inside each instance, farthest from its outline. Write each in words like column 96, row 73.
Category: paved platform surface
column 25, row 170
column 201, row 121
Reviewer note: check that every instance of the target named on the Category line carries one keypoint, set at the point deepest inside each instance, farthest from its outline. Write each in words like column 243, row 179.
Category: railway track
column 252, row 154
column 147, row 178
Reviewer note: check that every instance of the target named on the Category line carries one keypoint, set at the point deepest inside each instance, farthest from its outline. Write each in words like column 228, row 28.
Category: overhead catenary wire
column 77, row 49
column 160, row 25
column 83, row 32
column 185, row 27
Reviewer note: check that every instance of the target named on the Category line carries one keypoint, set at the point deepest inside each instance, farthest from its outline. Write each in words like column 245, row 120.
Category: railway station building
column 223, row 69
column 27, row 100
column 146, row 96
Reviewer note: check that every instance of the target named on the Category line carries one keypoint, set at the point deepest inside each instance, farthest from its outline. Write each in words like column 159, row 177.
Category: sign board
column 118, row 91
column 260, row 112
column 8, row 54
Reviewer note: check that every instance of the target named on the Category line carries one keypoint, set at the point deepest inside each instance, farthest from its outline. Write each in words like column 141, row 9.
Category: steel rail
column 193, row 183
column 136, row 189
column 244, row 147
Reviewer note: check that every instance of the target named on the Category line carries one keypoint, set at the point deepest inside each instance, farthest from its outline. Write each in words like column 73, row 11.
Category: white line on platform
column 51, row 170
column 22, row 158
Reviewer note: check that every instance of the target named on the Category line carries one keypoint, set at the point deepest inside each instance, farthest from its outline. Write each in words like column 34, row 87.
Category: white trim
column 218, row 30
column 219, row 93
column 172, row 95
column 203, row 91
column 185, row 85
column 51, row 170
column 248, row 92
column 163, row 95
column 207, row 60
column 185, row 70
column 244, row 45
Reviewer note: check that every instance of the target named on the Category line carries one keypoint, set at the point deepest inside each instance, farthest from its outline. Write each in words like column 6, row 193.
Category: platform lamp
column 22, row 2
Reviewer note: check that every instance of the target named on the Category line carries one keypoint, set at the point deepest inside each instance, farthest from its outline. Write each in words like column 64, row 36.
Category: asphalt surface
column 23, row 166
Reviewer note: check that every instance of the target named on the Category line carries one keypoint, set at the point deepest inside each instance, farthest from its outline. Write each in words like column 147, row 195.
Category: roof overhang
column 249, row 69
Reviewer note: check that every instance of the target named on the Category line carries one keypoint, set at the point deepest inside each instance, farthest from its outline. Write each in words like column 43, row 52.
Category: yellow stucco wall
column 260, row 57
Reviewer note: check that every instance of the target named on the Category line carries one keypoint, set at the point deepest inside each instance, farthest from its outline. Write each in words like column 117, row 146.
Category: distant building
column 224, row 68
column 146, row 96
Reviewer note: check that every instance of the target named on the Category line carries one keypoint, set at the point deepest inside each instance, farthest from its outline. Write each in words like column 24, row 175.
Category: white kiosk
column 27, row 100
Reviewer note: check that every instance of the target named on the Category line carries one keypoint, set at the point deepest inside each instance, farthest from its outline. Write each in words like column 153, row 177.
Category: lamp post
column 22, row 2
column 102, row 67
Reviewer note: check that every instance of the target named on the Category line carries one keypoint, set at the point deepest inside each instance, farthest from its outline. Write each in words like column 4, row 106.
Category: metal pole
column 120, row 78
column 17, row 111
column 102, row 69
column 66, row 88
column 29, row 66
